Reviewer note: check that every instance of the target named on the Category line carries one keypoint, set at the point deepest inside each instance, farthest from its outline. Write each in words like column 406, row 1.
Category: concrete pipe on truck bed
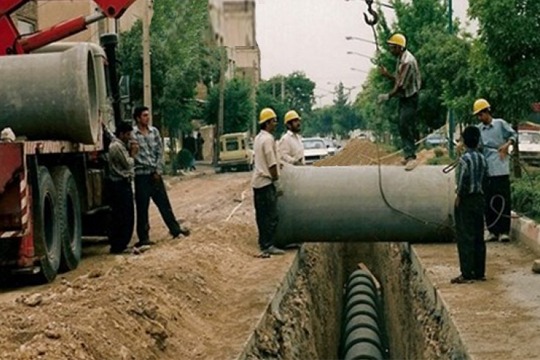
column 347, row 204
column 51, row 96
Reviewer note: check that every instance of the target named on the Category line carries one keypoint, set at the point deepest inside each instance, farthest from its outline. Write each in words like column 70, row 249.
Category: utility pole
column 221, row 110
column 451, row 124
column 147, row 79
column 282, row 89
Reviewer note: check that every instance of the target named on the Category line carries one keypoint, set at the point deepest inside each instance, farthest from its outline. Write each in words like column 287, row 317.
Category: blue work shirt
column 472, row 172
column 494, row 136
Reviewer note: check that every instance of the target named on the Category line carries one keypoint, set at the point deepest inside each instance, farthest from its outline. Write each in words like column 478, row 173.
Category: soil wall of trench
column 305, row 322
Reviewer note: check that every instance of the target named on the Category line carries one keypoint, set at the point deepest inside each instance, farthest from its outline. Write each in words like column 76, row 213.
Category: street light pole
column 359, row 54
column 360, row 70
column 360, row 39
column 451, row 124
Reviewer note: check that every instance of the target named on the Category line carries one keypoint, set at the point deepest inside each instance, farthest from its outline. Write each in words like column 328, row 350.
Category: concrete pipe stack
column 361, row 331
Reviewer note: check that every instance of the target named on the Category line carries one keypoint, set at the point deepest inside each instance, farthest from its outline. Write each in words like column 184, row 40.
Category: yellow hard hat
column 291, row 115
column 479, row 105
column 397, row 39
column 266, row 114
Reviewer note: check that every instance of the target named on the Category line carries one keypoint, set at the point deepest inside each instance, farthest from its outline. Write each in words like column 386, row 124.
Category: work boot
column 504, row 238
column 491, row 237
column 411, row 164
column 183, row 231
column 272, row 250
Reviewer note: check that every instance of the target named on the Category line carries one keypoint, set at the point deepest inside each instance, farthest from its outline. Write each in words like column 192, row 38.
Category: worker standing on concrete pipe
column 497, row 136
column 407, row 83
column 265, row 176
column 291, row 149
column 469, row 210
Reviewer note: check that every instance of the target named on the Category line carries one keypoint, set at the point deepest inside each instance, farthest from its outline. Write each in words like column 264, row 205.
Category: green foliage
column 526, row 196
column 508, row 54
column 179, row 59
column 239, row 109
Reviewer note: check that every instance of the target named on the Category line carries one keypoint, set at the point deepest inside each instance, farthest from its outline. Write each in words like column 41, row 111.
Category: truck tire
column 68, row 217
column 47, row 242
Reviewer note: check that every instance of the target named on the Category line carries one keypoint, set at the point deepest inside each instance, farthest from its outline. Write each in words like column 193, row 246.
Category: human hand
column 383, row 71
column 133, row 147
column 382, row 98
column 156, row 177
column 503, row 151
column 456, row 202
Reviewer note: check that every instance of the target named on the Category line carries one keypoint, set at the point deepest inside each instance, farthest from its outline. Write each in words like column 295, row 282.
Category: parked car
column 435, row 139
column 314, row 149
column 529, row 146
column 331, row 146
column 235, row 152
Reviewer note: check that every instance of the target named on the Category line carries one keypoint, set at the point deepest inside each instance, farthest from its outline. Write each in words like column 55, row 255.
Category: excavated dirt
column 194, row 298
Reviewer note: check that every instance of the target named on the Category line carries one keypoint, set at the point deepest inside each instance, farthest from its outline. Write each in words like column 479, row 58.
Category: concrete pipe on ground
column 365, row 204
column 51, row 96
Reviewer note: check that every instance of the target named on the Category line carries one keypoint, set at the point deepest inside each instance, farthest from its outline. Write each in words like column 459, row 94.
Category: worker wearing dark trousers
column 497, row 136
column 469, row 210
column 407, row 83
column 121, row 165
column 265, row 177
column 148, row 181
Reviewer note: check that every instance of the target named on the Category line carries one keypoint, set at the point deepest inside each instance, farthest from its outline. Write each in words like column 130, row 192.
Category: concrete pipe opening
column 365, row 204
column 51, row 96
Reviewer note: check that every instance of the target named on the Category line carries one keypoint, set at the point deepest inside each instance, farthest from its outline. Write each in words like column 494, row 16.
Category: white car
column 314, row 150
column 529, row 146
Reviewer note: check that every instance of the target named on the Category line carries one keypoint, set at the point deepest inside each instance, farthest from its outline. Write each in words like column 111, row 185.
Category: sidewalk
column 498, row 318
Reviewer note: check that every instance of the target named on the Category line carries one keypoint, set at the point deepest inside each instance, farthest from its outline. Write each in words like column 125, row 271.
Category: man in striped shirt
column 148, row 181
column 469, row 210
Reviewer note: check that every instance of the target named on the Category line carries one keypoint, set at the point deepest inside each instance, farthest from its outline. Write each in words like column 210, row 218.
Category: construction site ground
column 201, row 297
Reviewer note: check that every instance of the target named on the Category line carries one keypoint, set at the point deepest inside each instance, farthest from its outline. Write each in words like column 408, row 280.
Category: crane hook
column 375, row 19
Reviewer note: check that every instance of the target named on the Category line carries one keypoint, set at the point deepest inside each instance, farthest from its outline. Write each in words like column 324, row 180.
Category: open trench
column 304, row 319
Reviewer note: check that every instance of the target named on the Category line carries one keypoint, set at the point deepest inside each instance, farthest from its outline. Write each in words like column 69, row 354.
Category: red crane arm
column 11, row 41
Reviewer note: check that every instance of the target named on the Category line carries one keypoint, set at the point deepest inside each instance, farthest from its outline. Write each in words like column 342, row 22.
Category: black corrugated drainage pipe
column 361, row 330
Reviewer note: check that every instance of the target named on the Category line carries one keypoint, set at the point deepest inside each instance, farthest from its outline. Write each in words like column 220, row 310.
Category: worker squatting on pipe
column 365, row 204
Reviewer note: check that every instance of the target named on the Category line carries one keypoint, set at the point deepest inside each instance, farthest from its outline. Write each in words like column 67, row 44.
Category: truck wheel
column 47, row 241
column 68, row 217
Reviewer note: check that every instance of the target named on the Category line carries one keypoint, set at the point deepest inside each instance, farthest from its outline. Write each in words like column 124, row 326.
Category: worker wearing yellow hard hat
column 497, row 136
column 407, row 82
column 291, row 149
column 265, row 177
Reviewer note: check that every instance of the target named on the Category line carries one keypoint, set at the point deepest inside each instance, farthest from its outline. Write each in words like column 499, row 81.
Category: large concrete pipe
column 104, row 106
column 365, row 204
column 50, row 96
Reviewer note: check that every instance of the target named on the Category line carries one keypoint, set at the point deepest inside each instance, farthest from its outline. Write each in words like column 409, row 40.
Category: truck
column 235, row 152
column 61, row 101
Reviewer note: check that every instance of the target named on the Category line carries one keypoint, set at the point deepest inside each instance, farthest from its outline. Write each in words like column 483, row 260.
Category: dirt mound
column 365, row 152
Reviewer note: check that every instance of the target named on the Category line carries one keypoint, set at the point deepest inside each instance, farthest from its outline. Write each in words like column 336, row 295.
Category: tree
column 239, row 108
column 180, row 59
column 506, row 57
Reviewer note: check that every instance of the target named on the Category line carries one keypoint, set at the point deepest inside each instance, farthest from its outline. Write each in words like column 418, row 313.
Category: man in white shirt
column 291, row 149
column 265, row 174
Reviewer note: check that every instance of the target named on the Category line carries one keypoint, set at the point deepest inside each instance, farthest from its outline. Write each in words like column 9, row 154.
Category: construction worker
column 291, row 149
column 497, row 136
column 265, row 175
column 407, row 83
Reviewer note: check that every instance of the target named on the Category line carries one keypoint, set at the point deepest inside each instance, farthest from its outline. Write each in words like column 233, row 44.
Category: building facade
column 234, row 23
